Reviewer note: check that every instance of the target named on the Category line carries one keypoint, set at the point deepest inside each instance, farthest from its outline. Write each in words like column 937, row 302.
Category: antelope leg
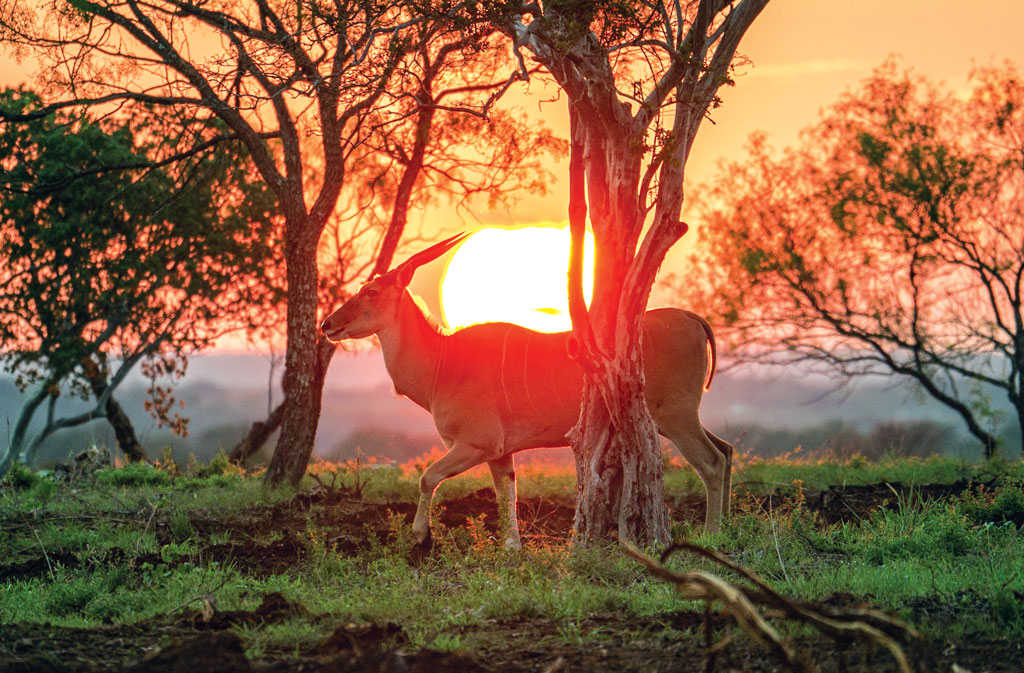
column 459, row 458
column 697, row 448
column 726, row 449
column 504, row 474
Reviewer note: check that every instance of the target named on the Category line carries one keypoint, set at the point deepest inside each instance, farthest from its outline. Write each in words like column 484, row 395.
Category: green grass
column 386, row 483
column 818, row 474
column 292, row 635
column 965, row 553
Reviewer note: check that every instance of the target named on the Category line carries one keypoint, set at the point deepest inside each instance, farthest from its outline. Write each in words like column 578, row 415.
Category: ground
column 198, row 637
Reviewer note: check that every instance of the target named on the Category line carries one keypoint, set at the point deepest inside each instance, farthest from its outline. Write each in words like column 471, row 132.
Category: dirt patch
column 603, row 644
column 205, row 653
column 274, row 608
column 856, row 502
column 36, row 567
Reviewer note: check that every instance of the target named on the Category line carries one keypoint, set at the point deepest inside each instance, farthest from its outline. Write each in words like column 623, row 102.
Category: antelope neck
column 412, row 352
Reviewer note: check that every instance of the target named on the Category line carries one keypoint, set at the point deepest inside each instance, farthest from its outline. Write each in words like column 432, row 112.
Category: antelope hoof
column 513, row 543
column 422, row 549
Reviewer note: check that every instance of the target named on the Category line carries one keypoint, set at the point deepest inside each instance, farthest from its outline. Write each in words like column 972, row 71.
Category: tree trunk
column 124, row 432
column 16, row 442
column 258, row 434
column 615, row 443
column 619, row 470
column 301, row 393
column 1020, row 423
column 260, row 431
column 127, row 442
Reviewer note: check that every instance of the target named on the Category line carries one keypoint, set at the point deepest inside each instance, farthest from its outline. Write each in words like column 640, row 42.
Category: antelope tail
column 713, row 363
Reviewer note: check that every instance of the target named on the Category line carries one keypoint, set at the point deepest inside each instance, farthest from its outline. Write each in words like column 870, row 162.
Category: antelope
column 494, row 389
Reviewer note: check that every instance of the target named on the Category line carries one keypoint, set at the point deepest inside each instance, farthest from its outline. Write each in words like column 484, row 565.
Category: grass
column 751, row 474
column 817, row 473
column 294, row 634
column 126, row 548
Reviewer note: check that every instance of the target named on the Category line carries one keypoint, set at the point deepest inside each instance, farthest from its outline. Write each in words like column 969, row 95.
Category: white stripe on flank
column 504, row 388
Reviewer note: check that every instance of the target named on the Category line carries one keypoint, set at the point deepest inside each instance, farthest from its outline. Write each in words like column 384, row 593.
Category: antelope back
column 504, row 376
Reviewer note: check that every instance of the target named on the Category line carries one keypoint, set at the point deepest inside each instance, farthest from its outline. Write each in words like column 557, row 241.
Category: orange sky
column 805, row 53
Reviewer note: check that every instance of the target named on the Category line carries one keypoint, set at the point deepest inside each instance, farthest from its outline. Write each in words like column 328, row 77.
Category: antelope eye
column 372, row 292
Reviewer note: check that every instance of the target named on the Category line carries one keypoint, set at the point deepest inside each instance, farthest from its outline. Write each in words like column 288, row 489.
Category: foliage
column 136, row 474
column 890, row 241
column 316, row 94
column 112, row 259
column 21, row 477
column 1001, row 505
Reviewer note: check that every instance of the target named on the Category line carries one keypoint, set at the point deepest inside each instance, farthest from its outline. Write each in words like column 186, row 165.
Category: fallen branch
column 741, row 603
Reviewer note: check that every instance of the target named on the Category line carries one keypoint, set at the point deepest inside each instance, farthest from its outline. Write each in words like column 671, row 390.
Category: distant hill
column 223, row 394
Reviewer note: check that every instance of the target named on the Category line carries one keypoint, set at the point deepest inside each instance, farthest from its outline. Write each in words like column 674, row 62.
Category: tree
column 284, row 71
column 426, row 146
column 639, row 79
column 890, row 241
column 114, row 259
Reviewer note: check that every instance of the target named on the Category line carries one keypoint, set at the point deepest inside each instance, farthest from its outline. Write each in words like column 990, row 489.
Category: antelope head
column 377, row 301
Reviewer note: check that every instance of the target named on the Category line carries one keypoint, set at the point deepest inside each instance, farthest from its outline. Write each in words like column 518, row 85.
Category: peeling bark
column 302, row 396
column 619, row 471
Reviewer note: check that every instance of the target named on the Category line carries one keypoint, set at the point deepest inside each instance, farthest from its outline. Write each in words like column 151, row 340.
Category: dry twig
column 842, row 624
column 46, row 556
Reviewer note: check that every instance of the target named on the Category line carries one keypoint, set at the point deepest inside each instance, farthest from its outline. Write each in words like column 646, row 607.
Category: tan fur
column 497, row 388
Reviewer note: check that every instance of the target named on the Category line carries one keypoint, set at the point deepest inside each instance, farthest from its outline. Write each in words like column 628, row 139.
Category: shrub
column 70, row 597
column 1004, row 503
column 219, row 466
column 20, row 476
column 134, row 474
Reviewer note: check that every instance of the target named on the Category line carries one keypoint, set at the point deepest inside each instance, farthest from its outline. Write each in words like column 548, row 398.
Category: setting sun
column 513, row 275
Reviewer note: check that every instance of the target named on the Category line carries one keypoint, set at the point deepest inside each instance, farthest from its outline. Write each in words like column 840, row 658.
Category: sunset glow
column 513, row 275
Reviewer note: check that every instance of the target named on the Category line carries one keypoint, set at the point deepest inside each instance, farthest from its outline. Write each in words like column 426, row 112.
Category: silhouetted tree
column 639, row 79
column 113, row 258
column 425, row 147
column 283, row 72
column 890, row 241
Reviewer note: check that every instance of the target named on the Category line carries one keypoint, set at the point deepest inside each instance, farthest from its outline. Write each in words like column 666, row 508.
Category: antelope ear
column 403, row 275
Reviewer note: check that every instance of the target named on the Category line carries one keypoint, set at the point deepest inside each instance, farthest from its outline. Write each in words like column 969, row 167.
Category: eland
column 494, row 389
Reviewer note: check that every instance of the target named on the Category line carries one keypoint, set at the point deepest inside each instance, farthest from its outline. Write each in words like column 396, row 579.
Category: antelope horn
column 430, row 254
